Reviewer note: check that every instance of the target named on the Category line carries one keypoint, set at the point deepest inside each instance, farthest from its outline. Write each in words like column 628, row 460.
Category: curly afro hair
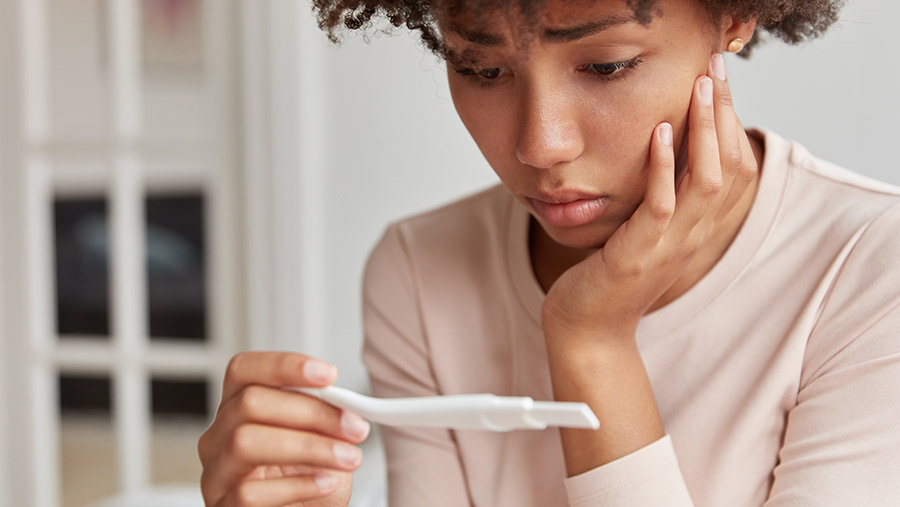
column 792, row 21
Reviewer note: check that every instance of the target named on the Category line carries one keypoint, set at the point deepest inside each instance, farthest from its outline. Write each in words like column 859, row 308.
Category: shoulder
column 797, row 164
column 816, row 206
column 859, row 319
column 473, row 226
column 802, row 160
column 843, row 188
column 834, row 232
column 436, row 275
column 868, row 279
column 466, row 220
column 478, row 221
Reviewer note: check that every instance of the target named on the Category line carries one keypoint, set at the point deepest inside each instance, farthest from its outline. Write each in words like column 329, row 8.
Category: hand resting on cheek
column 591, row 312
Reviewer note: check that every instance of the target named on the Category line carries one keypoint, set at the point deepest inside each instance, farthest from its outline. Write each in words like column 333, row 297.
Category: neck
column 550, row 259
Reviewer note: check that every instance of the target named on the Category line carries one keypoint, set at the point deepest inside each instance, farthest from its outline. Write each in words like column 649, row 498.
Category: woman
column 726, row 303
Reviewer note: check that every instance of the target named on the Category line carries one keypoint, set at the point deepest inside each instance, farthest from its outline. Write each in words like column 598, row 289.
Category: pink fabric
column 777, row 375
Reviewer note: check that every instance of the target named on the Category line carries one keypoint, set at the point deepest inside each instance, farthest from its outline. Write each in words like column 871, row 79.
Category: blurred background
column 181, row 180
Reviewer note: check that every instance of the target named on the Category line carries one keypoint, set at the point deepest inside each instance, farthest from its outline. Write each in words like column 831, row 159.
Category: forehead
column 497, row 23
column 493, row 15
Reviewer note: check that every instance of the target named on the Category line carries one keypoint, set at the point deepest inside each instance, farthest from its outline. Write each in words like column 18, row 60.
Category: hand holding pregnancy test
column 464, row 411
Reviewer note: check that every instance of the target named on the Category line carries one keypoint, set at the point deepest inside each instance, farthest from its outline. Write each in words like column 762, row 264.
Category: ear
column 735, row 28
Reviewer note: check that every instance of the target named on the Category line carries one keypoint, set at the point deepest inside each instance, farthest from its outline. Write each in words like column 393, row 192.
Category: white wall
column 837, row 95
column 7, row 43
column 4, row 354
column 4, row 437
column 395, row 146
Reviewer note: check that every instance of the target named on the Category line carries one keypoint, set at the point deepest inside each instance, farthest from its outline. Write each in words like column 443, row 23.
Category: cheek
column 619, row 133
column 635, row 109
column 492, row 131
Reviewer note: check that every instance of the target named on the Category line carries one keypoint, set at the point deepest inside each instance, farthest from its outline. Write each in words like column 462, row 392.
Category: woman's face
column 564, row 110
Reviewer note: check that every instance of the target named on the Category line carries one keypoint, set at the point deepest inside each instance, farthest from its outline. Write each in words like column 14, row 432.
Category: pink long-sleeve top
column 777, row 376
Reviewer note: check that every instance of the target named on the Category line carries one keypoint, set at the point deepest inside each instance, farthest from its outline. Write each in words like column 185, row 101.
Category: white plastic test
column 463, row 411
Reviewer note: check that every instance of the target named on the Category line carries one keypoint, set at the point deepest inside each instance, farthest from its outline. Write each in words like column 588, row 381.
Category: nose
column 549, row 131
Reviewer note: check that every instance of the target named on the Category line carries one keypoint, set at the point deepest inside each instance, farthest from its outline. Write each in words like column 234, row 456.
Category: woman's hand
column 614, row 287
column 674, row 237
column 270, row 447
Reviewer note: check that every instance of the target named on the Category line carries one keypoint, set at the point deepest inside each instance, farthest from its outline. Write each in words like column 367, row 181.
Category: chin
column 589, row 237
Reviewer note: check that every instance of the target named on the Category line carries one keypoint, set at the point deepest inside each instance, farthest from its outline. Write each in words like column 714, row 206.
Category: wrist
column 562, row 320
column 578, row 359
column 611, row 378
column 568, row 333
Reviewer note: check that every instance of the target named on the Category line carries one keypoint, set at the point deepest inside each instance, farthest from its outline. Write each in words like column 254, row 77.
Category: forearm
column 608, row 374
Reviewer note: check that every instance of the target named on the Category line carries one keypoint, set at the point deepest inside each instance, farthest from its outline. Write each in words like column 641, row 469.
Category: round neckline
column 758, row 222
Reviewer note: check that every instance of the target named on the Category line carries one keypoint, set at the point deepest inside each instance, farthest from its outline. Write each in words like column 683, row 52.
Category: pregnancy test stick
column 461, row 411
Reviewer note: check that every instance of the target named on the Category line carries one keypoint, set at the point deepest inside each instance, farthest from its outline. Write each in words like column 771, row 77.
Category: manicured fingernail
column 718, row 66
column 347, row 455
column 665, row 134
column 354, row 426
column 706, row 90
column 318, row 371
column 325, row 481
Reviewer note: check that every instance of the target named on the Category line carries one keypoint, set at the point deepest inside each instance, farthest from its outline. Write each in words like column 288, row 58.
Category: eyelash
column 617, row 70
column 478, row 76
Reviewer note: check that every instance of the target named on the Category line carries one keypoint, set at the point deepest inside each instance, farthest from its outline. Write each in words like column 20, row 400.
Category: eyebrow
column 574, row 33
column 553, row 35
column 480, row 38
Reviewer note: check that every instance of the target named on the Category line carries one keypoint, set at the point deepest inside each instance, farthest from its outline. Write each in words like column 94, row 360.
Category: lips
column 568, row 209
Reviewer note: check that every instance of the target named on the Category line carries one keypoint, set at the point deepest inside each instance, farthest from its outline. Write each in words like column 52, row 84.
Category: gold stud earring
column 736, row 45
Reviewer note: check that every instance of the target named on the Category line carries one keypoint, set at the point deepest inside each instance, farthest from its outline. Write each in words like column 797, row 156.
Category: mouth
column 568, row 209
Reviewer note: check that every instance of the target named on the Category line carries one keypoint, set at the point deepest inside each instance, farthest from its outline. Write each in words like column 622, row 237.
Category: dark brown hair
column 792, row 21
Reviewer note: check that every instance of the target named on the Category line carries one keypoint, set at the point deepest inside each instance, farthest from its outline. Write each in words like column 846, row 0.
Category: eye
column 609, row 71
column 491, row 73
column 484, row 77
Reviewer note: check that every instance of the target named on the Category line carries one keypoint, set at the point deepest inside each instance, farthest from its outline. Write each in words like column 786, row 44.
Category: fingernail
column 354, row 426
column 318, row 371
column 325, row 481
column 706, row 90
column 665, row 134
column 718, row 66
column 347, row 455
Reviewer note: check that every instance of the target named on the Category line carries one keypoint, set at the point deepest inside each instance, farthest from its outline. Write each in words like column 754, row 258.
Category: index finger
column 276, row 369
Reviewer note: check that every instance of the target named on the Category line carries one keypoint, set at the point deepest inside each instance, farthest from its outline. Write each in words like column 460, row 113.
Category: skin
column 268, row 447
column 675, row 173
column 551, row 130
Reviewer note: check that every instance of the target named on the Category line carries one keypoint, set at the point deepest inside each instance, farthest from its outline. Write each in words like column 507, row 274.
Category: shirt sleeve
column 424, row 467
column 842, row 441
column 648, row 476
